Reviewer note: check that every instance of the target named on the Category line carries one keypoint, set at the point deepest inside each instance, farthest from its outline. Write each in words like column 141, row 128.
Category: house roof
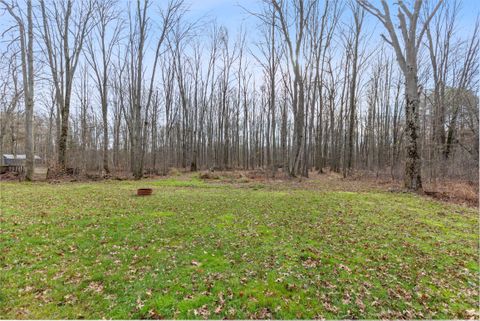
column 18, row 156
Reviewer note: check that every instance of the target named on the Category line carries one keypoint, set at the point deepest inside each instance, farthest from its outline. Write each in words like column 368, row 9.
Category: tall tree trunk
column 413, row 178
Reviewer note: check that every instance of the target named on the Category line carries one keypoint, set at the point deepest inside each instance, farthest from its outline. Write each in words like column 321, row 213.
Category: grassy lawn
column 209, row 250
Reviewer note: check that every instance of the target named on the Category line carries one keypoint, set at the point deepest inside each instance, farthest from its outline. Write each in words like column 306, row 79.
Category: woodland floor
column 230, row 247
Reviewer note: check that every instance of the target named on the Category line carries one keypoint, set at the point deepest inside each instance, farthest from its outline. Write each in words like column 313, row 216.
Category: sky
column 231, row 14
column 227, row 12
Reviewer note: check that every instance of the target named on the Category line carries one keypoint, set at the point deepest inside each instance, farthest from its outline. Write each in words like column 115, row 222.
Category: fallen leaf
column 195, row 263
column 202, row 311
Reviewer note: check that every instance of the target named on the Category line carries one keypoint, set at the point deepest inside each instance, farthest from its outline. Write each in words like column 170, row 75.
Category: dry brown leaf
column 195, row 263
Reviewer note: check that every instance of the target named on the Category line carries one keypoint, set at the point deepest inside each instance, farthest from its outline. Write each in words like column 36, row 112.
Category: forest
column 250, row 159
column 337, row 86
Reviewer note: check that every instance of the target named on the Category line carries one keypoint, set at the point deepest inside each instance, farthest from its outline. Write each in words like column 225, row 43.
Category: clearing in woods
column 237, row 249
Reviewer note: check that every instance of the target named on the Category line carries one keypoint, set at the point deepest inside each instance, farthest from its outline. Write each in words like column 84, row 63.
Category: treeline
column 145, row 87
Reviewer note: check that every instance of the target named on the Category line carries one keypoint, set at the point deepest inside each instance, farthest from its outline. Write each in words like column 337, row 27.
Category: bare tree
column 25, row 31
column 103, row 40
column 358, row 16
column 10, row 95
column 270, row 60
column 64, row 32
column 295, row 42
column 171, row 93
column 407, row 57
column 139, row 100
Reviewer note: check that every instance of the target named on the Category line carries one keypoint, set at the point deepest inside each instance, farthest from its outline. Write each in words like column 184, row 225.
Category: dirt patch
column 10, row 176
column 453, row 191
column 209, row 175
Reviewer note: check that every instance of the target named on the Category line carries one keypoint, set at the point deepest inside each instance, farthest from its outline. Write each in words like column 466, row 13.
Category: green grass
column 200, row 250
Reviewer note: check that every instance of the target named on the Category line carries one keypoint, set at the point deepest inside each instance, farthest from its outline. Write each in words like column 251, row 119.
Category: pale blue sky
column 230, row 13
